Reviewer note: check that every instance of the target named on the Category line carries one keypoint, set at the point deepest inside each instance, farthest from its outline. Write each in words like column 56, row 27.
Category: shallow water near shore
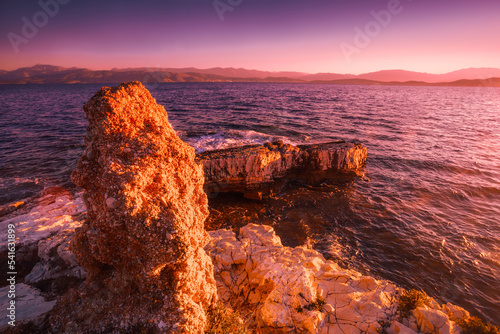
column 425, row 213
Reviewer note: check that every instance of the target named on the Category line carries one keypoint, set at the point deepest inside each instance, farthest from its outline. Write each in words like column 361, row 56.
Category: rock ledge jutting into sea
column 258, row 171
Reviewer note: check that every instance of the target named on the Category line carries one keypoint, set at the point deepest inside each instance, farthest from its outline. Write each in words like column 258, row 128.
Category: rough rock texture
column 258, row 171
column 434, row 321
column 54, row 216
column 142, row 244
column 30, row 305
column 254, row 241
column 57, row 269
column 295, row 290
column 431, row 318
column 398, row 328
column 281, row 289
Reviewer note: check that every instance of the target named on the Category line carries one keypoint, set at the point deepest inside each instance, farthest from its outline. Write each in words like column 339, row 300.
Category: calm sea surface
column 426, row 213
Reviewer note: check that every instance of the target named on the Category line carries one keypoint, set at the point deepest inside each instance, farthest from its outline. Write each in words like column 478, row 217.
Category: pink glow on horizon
column 304, row 39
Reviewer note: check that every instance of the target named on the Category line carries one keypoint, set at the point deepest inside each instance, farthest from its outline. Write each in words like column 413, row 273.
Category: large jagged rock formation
column 142, row 244
column 258, row 171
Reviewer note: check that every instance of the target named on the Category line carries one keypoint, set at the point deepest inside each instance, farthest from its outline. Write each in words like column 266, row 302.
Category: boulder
column 142, row 243
column 398, row 328
column 432, row 321
column 259, row 171
column 57, row 269
column 455, row 312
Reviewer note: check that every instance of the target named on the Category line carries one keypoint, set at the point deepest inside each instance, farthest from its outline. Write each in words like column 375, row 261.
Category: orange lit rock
column 142, row 244
column 259, row 171
column 431, row 320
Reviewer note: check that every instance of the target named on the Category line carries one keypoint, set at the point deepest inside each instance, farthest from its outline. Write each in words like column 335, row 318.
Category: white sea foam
column 230, row 138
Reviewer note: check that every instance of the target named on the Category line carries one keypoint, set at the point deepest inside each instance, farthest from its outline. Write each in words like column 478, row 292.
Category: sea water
column 425, row 212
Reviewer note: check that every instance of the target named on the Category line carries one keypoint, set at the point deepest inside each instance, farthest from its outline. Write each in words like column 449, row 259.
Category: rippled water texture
column 426, row 214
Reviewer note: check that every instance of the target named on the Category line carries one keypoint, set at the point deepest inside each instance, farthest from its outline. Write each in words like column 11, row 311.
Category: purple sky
column 312, row 36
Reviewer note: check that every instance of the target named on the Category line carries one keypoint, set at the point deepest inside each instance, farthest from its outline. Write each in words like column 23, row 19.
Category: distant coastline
column 48, row 74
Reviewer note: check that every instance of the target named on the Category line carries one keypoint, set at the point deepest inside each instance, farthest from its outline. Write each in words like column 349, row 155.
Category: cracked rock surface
column 294, row 290
column 43, row 230
column 280, row 289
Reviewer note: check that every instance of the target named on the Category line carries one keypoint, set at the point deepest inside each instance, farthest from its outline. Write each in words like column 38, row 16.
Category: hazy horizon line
column 243, row 68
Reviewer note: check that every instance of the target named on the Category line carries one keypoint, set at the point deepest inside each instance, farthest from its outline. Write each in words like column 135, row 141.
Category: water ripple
column 425, row 215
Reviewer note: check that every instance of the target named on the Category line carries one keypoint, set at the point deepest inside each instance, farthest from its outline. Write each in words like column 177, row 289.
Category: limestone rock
column 142, row 244
column 398, row 328
column 50, row 214
column 55, row 215
column 258, row 171
column 30, row 305
column 434, row 321
column 455, row 312
column 58, row 267
column 294, row 290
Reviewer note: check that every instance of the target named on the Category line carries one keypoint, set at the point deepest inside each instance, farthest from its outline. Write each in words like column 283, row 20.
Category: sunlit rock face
column 258, row 171
column 295, row 290
column 281, row 289
column 142, row 244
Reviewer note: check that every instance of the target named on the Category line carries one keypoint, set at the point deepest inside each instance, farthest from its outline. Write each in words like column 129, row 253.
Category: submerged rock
column 259, row 171
column 142, row 244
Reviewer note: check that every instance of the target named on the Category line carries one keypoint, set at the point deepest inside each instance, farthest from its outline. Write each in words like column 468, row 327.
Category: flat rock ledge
column 258, row 171
column 280, row 289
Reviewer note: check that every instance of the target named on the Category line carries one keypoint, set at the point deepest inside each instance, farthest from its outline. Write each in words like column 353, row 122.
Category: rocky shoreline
column 131, row 254
column 268, row 284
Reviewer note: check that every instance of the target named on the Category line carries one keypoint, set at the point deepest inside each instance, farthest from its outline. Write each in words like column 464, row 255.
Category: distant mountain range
column 48, row 74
